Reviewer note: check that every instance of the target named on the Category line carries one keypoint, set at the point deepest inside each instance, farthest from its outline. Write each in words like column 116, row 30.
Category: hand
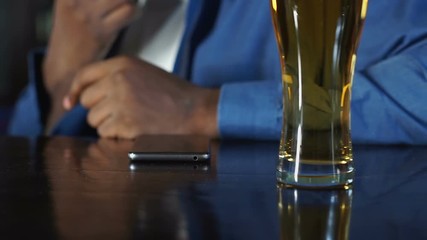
column 127, row 97
column 82, row 32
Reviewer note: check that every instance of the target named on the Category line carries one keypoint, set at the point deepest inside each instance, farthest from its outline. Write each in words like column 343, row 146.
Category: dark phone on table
column 170, row 148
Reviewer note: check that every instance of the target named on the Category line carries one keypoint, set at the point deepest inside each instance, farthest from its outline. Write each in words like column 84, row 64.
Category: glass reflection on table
column 314, row 214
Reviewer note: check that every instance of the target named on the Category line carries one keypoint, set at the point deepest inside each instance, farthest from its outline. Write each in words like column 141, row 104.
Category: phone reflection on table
column 169, row 166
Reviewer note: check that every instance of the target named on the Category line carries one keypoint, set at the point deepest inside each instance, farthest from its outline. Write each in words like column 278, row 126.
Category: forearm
column 68, row 49
column 56, row 110
column 82, row 33
column 65, row 55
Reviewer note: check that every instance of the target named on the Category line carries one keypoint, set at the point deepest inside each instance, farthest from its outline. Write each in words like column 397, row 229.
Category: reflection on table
column 86, row 188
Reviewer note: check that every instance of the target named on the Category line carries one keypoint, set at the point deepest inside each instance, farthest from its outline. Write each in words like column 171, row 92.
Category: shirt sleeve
column 27, row 118
column 389, row 100
column 389, row 104
column 31, row 110
column 251, row 110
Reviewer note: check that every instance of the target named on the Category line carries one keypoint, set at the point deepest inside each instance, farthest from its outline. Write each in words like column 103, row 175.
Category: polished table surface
column 71, row 188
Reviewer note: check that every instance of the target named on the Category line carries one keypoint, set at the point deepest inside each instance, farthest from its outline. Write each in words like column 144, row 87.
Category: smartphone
column 170, row 148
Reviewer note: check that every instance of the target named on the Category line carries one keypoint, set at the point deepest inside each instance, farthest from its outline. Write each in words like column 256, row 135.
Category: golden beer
column 317, row 42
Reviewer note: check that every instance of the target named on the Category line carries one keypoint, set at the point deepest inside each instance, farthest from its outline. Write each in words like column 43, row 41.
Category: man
column 229, row 59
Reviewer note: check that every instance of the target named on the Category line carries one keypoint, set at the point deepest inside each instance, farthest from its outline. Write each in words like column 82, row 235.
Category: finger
column 69, row 3
column 93, row 94
column 107, row 129
column 121, row 16
column 84, row 78
column 111, row 128
column 99, row 114
column 100, row 8
column 110, row 131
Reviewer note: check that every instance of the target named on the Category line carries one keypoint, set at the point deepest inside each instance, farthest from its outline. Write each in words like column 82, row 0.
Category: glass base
column 342, row 180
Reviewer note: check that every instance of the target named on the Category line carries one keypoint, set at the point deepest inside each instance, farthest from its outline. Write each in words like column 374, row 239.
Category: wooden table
column 72, row 188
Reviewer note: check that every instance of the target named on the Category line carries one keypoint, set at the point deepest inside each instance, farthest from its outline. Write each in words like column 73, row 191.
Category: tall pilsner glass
column 317, row 42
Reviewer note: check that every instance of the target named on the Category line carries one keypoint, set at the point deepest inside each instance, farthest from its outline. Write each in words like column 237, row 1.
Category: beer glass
column 317, row 42
column 306, row 214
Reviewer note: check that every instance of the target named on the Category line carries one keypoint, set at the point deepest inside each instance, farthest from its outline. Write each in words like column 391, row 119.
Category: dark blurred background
column 25, row 25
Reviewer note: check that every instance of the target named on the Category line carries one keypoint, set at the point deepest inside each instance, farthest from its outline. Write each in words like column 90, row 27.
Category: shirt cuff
column 251, row 110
